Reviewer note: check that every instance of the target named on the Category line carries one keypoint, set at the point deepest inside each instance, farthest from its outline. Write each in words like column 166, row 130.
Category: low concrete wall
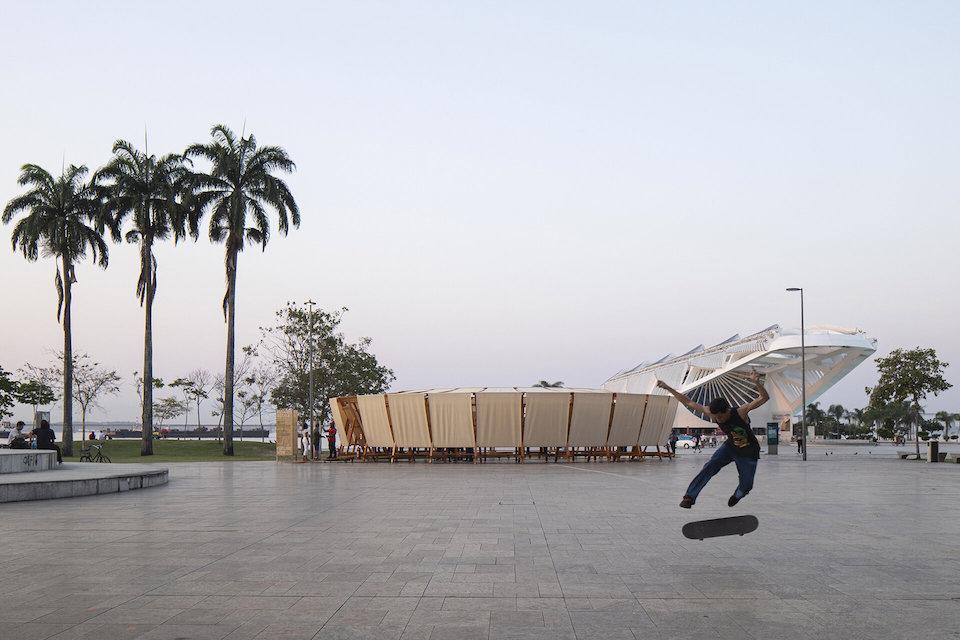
column 72, row 487
column 24, row 460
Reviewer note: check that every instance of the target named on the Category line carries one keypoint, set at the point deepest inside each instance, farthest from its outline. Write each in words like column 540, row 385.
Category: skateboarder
column 742, row 447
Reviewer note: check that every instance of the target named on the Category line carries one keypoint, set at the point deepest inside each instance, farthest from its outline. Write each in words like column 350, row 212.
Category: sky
column 502, row 192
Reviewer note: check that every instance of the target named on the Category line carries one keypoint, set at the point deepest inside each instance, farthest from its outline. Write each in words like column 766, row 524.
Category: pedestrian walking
column 673, row 442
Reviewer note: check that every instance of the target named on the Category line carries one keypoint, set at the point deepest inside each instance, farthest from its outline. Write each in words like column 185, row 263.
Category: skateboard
column 737, row 525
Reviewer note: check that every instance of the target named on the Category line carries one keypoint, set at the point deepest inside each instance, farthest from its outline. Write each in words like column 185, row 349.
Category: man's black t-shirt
column 739, row 436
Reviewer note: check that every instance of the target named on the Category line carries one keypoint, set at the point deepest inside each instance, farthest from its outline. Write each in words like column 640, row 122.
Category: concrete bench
column 912, row 455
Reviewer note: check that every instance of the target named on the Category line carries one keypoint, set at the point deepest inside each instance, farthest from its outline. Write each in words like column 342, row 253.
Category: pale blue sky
column 508, row 191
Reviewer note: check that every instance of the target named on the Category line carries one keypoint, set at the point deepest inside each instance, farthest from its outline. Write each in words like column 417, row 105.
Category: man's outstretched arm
column 760, row 401
column 684, row 400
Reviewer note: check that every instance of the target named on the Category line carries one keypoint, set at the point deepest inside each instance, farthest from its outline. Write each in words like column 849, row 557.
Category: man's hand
column 754, row 377
column 663, row 385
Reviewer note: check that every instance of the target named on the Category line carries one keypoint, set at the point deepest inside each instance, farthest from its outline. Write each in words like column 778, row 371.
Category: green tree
column 8, row 393
column 546, row 384
column 64, row 218
column 946, row 418
column 837, row 413
column 188, row 390
column 817, row 417
column 340, row 367
column 200, row 386
column 169, row 408
column 36, row 394
column 91, row 382
column 238, row 190
column 149, row 192
column 909, row 376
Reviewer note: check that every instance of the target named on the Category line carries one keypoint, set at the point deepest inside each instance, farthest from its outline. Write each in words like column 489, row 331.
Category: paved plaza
column 850, row 547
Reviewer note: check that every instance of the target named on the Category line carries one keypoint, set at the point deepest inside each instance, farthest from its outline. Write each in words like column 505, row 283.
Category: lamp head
column 794, row 289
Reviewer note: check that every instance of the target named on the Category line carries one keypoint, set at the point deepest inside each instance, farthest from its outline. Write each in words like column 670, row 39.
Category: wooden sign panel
column 287, row 434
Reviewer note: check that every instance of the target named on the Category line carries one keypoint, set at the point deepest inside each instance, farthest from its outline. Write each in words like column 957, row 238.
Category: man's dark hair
column 719, row 405
column 44, row 424
column 21, row 423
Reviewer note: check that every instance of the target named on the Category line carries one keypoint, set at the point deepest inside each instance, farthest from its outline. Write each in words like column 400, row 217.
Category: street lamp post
column 310, row 365
column 803, row 376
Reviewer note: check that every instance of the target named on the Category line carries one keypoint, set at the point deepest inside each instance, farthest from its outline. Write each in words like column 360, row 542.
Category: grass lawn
column 181, row 451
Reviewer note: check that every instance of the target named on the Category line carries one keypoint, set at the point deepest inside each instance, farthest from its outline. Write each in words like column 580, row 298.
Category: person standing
column 315, row 443
column 303, row 437
column 742, row 447
column 673, row 443
column 332, row 441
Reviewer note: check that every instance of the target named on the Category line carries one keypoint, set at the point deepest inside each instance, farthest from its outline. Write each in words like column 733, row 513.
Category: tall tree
column 340, row 367
column 148, row 191
column 909, row 376
column 64, row 218
column 238, row 190
column 8, row 393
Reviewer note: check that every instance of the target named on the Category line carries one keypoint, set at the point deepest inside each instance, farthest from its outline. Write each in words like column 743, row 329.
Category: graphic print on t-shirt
column 739, row 437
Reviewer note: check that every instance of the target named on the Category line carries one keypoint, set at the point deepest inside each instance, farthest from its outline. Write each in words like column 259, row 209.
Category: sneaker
column 687, row 502
column 733, row 500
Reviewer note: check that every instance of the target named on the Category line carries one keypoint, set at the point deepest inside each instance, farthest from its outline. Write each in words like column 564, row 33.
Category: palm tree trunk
column 146, row 442
column 231, row 339
column 66, row 435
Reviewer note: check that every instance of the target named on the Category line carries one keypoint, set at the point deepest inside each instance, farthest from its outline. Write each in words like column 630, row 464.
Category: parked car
column 686, row 441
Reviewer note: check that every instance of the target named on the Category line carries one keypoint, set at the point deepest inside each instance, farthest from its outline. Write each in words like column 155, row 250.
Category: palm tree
column 545, row 384
column 150, row 191
column 836, row 411
column 238, row 189
column 815, row 416
column 947, row 419
column 63, row 219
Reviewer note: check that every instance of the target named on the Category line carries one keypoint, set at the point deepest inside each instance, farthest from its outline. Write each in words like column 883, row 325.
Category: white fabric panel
column 657, row 414
column 498, row 418
column 451, row 419
column 590, row 420
column 408, row 415
column 669, row 419
column 338, row 417
column 627, row 419
column 546, row 419
column 376, row 424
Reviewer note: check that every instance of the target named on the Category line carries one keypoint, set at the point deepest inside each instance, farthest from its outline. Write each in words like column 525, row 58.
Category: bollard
column 933, row 451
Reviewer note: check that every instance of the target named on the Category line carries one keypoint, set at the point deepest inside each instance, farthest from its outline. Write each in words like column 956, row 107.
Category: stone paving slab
column 847, row 548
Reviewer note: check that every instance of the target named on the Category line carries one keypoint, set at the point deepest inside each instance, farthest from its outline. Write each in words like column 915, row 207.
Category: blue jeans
column 746, row 469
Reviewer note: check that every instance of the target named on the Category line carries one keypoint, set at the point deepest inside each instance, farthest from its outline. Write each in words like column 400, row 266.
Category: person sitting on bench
column 17, row 438
column 46, row 439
